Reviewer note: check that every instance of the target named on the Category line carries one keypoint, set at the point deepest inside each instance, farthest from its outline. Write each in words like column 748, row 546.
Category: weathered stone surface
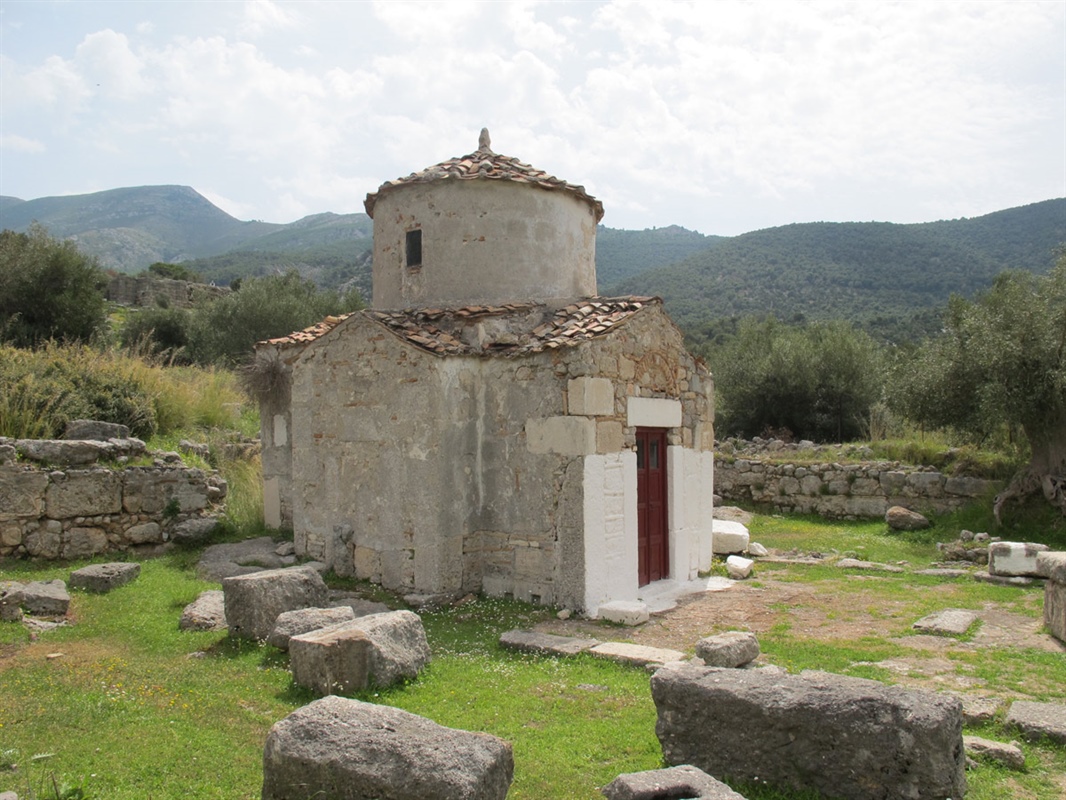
column 903, row 519
column 84, row 493
column 399, row 648
column 253, row 602
column 46, row 598
column 978, row 710
column 220, row 561
column 728, row 536
column 950, row 622
column 730, row 649
column 145, row 533
column 104, row 577
column 1003, row 580
column 545, row 643
column 1036, row 720
column 868, row 566
column 83, row 542
column 1009, row 755
column 1055, row 609
column 335, row 659
column 22, row 493
column 757, row 550
column 62, row 453
column 665, row 784
column 194, row 531
column 844, row 737
column 347, row 750
column 10, row 601
column 943, row 572
column 206, row 613
column 1052, row 565
column 733, row 514
column 303, row 620
column 95, row 430
column 359, row 607
column 1014, row 558
column 738, row 567
column 635, row 654
column 624, row 612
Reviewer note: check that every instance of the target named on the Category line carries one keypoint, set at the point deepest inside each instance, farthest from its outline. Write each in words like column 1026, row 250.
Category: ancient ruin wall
column 851, row 491
column 79, row 513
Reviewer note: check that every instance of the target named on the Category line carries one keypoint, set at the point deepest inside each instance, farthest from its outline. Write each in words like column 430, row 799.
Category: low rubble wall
column 51, row 511
column 844, row 491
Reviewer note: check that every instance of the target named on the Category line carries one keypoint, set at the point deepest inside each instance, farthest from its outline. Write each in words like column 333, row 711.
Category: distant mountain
column 891, row 279
column 885, row 277
column 621, row 254
column 128, row 229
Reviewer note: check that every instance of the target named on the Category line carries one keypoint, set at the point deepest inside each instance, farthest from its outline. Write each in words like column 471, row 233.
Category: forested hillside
column 884, row 277
column 621, row 254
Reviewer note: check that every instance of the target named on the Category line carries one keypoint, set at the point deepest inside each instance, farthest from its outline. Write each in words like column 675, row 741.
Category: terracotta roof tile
column 310, row 334
column 484, row 164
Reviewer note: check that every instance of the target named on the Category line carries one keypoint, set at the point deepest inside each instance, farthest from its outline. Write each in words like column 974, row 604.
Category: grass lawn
column 120, row 704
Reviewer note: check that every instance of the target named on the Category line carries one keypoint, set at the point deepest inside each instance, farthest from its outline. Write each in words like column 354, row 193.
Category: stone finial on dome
column 483, row 142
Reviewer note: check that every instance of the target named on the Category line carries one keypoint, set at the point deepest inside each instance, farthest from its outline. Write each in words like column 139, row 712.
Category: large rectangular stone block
column 1055, row 609
column 348, row 750
column 846, row 738
column 21, row 493
column 84, row 494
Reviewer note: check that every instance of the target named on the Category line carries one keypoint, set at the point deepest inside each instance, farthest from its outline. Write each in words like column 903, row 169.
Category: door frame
column 653, row 523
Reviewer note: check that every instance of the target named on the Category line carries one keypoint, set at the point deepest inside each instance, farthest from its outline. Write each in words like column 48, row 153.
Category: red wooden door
column 652, row 538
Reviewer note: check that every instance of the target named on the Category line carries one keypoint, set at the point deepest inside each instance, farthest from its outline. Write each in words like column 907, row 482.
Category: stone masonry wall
column 848, row 491
column 78, row 513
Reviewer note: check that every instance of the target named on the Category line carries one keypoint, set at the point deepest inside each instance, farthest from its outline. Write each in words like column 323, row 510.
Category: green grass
column 133, row 708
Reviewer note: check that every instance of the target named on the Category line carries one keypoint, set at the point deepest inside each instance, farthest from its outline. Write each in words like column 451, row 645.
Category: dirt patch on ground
column 850, row 612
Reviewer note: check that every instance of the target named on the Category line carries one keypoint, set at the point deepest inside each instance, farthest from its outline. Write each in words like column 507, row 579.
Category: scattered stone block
column 738, row 567
column 102, row 578
column 869, row 566
column 1012, row 559
column 978, row 710
column 206, row 613
column 1003, row 580
column 636, row 654
column 348, row 750
column 666, row 784
column 359, row 607
column 944, row 572
column 844, row 737
column 1053, row 567
column 1036, row 720
column 950, row 622
column 331, row 660
column 757, row 550
column 730, row 649
column 728, row 537
column 1009, row 755
column 254, row 602
column 8, row 796
column 732, row 514
column 624, row 612
column 545, row 643
column 10, row 601
column 285, row 549
column 194, row 531
column 304, row 620
column 46, row 599
column 899, row 518
column 399, row 648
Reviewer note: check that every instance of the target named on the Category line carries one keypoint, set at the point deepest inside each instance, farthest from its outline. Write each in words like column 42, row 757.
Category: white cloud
column 20, row 144
column 261, row 16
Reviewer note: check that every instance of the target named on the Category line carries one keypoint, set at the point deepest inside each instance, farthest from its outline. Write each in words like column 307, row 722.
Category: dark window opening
column 414, row 248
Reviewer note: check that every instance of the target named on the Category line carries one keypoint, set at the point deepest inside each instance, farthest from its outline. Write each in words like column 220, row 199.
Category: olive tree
column 48, row 290
column 1001, row 359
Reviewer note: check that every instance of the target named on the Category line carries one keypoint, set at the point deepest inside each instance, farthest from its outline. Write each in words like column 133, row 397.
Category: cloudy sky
column 723, row 117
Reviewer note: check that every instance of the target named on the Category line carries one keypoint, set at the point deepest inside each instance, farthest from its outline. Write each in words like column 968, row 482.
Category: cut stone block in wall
column 843, row 737
column 348, row 750
column 254, row 602
column 1014, row 559
column 104, row 577
column 84, row 493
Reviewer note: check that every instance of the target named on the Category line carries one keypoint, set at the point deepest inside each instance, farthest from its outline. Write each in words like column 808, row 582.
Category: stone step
column 545, row 643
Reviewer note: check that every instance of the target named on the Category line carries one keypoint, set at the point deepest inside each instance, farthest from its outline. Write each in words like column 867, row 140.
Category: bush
column 161, row 333
column 225, row 331
column 48, row 290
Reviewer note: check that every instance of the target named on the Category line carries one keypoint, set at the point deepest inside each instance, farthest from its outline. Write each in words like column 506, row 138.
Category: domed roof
column 484, row 164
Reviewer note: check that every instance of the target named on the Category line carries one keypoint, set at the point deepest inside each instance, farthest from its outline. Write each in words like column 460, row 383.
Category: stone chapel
column 489, row 424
